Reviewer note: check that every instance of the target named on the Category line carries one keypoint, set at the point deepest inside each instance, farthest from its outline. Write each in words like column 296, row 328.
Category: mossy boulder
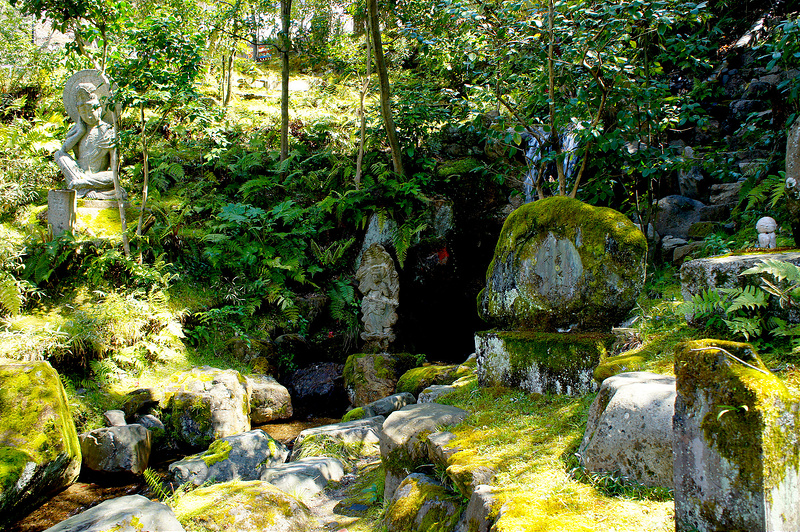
column 539, row 362
column 269, row 400
column 39, row 448
column 369, row 377
column 242, row 456
column 422, row 504
column 562, row 264
column 236, row 506
column 205, row 404
column 131, row 513
column 415, row 380
column 458, row 167
column 736, row 428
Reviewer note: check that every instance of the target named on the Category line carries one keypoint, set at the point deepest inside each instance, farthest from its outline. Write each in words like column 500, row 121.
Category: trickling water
column 533, row 155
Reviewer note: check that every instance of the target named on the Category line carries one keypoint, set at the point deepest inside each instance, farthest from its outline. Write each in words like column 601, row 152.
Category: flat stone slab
column 119, row 449
column 119, row 514
column 306, row 477
column 363, row 431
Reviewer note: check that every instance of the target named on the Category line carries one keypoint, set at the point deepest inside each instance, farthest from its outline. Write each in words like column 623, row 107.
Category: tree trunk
column 286, row 46
column 363, row 116
column 383, row 79
column 554, row 138
column 146, row 185
column 230, row 81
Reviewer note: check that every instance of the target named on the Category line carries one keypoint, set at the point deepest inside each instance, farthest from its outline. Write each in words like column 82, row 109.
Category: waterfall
column 533, row 155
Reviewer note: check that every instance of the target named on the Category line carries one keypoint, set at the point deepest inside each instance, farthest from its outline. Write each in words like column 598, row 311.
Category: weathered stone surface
column 114, row 418
column 61, row 208
column 206, row 404
column 477, row 515
column 387, row 405
column 419, row 503
column 237, row 506
column 431, row 394
column 629, row 429
column 379, row 283
column 358, row 432
column 725, row 272
column 318, row 389
column 132, row 513
column 369, row 377
column 540, row 362
column 676, row 214
column 158, row 432
column 690, row 181
column 725, row 193
column 737, row 458
column 439, row 447
column 120, row 449
column 140, row 401
column 269, row 400
column 468, row 475
column 242, row 456
column 562, row 264
column 403, row 440
column 306, row 477
column 39, row 448
column 415, row 380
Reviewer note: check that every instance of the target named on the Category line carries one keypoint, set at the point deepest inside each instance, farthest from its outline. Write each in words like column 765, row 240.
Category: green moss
column 443, row 508
column 349, row 373
column 217, row 452
column 610, row 249
column 356, row 413
column 12, row 462
column 458, row 167
column 655, row 355
column 752, row 418
column 700, row 230
column 34, row 412
column 417, row 379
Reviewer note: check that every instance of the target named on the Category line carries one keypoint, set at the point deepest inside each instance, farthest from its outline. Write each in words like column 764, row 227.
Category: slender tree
column 286, row 47
column 383, row 80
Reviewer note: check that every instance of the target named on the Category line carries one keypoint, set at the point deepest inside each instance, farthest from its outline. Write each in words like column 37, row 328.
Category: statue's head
column 88, row 103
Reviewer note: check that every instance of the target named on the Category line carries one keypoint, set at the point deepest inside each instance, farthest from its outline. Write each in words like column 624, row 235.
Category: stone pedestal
column 737, row 459
column 540, row 362
column 61, row 209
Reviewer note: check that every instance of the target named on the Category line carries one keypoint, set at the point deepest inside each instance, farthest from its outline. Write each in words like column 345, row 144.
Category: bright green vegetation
column 218, row 451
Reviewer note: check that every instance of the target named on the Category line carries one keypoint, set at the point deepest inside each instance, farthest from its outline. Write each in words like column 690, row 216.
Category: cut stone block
column 737, row 458
column 540, row 362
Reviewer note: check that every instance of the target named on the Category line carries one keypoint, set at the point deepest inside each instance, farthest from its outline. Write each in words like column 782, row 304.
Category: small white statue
column 766, row 227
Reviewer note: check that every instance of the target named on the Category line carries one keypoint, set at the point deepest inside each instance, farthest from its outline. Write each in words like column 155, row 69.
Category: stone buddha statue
column 90, row 140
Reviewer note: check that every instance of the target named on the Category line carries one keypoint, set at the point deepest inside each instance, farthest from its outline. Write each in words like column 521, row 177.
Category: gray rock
column 118, row 515
column 124, row 449
column 369, row 377
column 360, row 431
column 737, row 462
column 725, row 272
column 725, row 193
column 477, row 517
column 380, row 230
column 690, row 181
column 141, row 400
column 562, row 264
column 114, row 418
column 432, row 393
column 151, row 423
column 387, row 405
column 318, row 388
column 439, row 448
column 630, row 428
column 419, row 500
column 676, row 214
column 206, row 404
column 306, row 477
column 741, row 108
column 242, row 456
column 680, row 253
column 269, row 400
column 403, row 442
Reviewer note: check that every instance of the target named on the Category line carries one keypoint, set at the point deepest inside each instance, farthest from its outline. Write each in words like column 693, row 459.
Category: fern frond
column 750, row 297
column 779, row 269
column 10, row 296
column 747, row 327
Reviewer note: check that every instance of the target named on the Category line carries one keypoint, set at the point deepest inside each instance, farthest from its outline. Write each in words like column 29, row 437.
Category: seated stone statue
column 91, row 139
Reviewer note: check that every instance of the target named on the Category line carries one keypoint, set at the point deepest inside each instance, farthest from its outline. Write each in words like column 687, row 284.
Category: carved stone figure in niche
column 766, row 228
column 379, row 283
column 91, row 139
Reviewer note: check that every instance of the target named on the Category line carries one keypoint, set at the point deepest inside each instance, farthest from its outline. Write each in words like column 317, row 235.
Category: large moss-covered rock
column 253, row 506
column 415, row 380
column 39, row 448
column 369, row 377
column 207, row 403
column 562, row 264
column 269, row 400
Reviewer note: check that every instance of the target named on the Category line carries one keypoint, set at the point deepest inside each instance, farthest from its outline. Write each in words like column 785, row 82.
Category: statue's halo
column 96, row 78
